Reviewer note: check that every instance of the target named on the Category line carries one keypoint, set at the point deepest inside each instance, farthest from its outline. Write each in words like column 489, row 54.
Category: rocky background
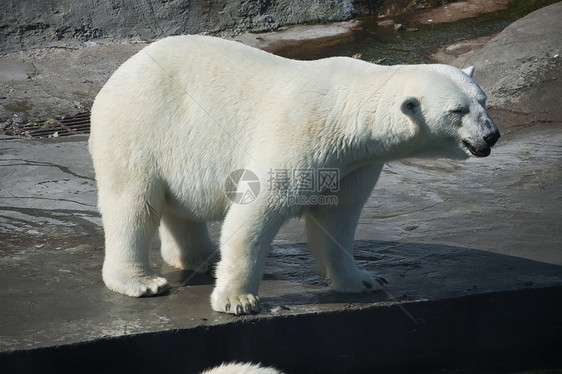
column 55, row 55
column 28, row 24
column 520, row 67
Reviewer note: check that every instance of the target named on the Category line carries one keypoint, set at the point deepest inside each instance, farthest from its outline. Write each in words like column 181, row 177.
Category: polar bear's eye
column 460, row 111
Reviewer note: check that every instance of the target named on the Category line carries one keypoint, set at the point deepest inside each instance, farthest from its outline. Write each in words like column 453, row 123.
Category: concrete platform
column 471, row 250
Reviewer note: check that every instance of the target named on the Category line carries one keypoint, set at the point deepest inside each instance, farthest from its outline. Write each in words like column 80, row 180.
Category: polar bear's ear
column 469, row 71
column 410, row 106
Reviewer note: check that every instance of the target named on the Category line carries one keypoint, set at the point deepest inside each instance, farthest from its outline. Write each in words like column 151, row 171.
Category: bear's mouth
column 477, row 151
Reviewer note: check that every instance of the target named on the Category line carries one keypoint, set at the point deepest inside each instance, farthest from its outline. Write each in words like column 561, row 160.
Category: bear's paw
column 234, row 303
column 358, row 282
column 138, row 286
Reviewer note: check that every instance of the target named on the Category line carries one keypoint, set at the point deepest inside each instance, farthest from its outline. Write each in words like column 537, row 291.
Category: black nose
column 492, row 138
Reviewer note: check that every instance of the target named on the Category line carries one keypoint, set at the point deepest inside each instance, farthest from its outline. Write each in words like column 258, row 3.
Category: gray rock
column 52, row 82
column 28, row 24
column 520, row 68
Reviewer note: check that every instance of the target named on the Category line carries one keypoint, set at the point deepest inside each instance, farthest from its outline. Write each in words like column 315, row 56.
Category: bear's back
column 177, row 57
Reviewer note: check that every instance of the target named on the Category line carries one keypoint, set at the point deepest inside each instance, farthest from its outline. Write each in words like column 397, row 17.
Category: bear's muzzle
column 490, row 140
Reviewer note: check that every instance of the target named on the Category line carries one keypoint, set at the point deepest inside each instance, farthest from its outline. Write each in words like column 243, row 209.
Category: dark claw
column 238, row 310
column 247, row 308
column 254, row 305
column 164, row 290
column 367, row 284
column 227, row 307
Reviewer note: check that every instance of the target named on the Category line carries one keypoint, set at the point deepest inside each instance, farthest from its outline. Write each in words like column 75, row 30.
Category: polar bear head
column 448, row 108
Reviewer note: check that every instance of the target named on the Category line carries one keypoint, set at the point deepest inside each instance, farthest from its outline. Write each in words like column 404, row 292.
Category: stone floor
column 469, row 243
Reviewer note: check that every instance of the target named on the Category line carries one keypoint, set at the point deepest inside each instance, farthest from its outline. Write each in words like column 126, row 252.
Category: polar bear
column 241, row 368
column 189, row 116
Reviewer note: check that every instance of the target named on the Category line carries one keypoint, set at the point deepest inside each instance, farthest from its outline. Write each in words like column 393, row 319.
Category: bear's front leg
column 331, row 230
column 245, row 238
column 330, row 237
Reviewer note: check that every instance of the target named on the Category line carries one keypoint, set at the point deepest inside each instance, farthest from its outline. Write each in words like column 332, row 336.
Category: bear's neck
column 371, row 127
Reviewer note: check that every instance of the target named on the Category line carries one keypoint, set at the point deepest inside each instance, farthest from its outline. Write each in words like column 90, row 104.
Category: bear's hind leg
column 186, row 244
column 130, row 222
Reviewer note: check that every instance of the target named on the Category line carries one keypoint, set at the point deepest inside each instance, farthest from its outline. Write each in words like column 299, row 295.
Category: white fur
column 236, row 368
column 177, row 118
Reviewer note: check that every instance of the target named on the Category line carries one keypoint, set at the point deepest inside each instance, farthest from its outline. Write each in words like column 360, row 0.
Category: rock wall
column 27, row 24
column 520, row 68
